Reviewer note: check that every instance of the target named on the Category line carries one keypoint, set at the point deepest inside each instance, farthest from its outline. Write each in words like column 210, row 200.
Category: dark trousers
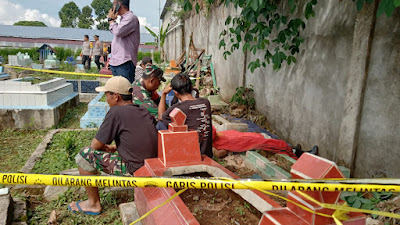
column 85, row 59
column 126, row 70
column 105, row 58
column 97, row 61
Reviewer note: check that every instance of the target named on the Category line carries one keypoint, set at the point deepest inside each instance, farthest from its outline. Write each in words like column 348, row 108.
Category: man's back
column 134, row 133
column 198, row 114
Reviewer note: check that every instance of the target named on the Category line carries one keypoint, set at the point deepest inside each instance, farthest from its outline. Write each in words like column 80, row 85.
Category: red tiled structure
column 311, row 167
column 177, row 147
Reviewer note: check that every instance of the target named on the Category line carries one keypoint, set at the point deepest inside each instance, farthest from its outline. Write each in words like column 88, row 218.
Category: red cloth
column 235, row 141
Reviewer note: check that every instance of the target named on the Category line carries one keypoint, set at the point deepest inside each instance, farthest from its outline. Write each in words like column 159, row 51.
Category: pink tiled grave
column 179, row 151
column 309, row 166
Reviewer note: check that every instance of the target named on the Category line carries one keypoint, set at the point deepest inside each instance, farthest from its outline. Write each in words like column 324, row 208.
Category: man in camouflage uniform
column 132, row 129
column 145, row 90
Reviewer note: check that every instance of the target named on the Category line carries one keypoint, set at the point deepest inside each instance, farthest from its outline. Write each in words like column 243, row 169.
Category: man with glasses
column 145, row 90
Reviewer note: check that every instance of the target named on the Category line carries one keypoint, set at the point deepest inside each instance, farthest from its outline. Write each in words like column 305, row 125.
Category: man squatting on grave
column 131, row 127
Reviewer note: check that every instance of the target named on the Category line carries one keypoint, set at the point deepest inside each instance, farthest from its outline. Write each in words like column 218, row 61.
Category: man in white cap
column 132, row 129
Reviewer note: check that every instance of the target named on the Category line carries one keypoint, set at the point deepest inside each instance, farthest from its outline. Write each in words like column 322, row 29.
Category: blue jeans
column 126, row 70
column 161, row 126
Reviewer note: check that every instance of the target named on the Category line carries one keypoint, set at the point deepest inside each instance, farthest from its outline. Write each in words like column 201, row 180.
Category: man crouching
column 132, row 129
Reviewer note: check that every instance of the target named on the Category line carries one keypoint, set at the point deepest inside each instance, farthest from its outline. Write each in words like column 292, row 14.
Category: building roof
column 61, row 33
column 168, row 3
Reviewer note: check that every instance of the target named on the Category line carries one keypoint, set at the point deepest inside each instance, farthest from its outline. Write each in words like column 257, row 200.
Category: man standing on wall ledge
column 125, row 43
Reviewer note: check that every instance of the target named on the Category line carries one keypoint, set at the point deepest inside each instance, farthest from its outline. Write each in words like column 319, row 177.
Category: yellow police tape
column 354, row 185
column 60, row 72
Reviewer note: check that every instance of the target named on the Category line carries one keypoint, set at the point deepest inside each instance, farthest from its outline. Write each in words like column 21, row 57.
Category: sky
column 12, row 11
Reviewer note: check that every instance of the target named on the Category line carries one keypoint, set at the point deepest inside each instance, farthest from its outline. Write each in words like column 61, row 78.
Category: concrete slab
column 5, row 209
column 129, row 213
column 222, row 124
column 52, row 192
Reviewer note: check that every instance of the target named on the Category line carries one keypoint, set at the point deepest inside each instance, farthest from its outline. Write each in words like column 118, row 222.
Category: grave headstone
column 51, row 62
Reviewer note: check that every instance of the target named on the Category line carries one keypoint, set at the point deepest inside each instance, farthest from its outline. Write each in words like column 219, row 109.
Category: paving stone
column 129, row 213
column 5, row 209
column 52, row 192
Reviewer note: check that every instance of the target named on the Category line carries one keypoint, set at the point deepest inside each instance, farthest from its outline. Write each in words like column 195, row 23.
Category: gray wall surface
column 304, row 102
column 378, row 152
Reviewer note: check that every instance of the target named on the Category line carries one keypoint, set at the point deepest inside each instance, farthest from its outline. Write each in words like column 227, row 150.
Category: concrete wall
column 378, row 150
column 305, row 102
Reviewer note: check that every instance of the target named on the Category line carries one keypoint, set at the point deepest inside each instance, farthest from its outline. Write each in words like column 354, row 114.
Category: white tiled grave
column 22, row 94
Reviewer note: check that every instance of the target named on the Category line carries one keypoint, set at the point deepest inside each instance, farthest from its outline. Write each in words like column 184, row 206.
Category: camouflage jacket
column 145, row 99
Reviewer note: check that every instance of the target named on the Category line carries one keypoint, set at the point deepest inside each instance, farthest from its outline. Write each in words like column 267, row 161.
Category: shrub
column 5, row 52
column 157, row 57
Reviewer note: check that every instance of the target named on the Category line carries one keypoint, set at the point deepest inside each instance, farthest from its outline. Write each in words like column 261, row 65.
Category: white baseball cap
column 117, row 84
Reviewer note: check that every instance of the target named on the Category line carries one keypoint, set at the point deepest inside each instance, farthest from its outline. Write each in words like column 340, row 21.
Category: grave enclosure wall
column 343, row 94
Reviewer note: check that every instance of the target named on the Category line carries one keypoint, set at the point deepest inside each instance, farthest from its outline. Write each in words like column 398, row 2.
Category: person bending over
column 132, row 129
column 145, row 90
column 146, row 61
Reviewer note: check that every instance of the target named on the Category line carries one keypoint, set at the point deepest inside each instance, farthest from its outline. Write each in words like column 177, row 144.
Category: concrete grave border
column 267, row 169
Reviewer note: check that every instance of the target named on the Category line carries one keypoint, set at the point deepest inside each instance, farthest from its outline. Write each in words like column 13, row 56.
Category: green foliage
column 63, row 53
column 262, row 26
column 72, row 118
column 69, row 15
column 30, row 23
column 143, row 54
column 157, row 57
column 101, row 9
column 5, row 52
column 69, row 142
column 85, row 19
column 17, row 146
column 56, row 158
column 385, row 6
column 357, row 200
column 160, row 37
column 244, row 96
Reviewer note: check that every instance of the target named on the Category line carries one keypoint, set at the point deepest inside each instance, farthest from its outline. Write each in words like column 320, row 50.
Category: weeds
column 72, row 117
column 39, row 214
column 69, row 142
column 244, row 96
column 56, row 158
column 358, row 200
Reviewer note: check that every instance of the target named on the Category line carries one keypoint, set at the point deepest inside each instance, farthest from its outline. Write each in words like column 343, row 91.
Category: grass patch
column 39, row 211
column 73, row 116
column 60, row 153
column 36, row 80
column 17, row 146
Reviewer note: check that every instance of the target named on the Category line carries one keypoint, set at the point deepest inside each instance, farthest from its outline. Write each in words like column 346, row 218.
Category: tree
column 160, row 37
column 101, row 9
column 85, row 19
column 30, row 23
column 69, row 15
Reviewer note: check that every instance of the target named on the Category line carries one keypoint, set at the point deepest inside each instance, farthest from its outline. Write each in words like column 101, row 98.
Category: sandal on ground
column 84, row 212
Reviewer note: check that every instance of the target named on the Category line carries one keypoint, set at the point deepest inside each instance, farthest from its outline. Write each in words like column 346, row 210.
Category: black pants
column 105, row 58
column 85, row 59
column 97, row 61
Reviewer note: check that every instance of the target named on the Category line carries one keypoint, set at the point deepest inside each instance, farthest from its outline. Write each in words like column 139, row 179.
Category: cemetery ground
column 18, row 145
